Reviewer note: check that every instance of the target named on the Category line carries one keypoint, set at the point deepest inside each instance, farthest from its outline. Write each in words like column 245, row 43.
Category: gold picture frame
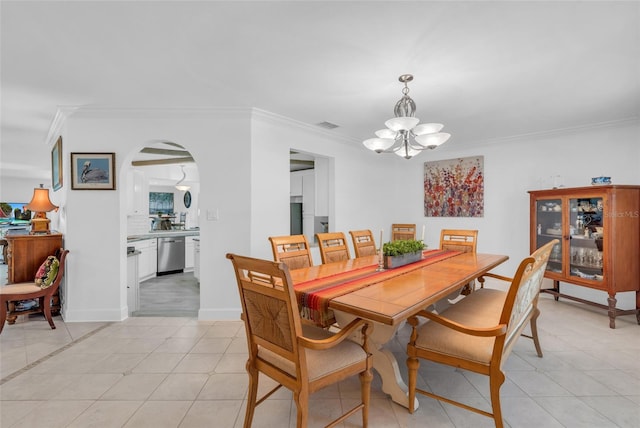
column 56, row 165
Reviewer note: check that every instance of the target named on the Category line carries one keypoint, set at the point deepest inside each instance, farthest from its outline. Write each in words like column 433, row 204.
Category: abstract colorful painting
column 454, row 187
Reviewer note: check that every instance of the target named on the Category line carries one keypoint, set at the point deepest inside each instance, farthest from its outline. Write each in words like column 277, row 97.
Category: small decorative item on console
column 600, row 180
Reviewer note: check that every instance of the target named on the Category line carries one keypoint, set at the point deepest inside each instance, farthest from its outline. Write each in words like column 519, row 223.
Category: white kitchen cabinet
column 189, row 256
column 309, row 195
column 303, row 183
column 148, row 259
column 322, row 187
column 307, row 180
column 153, row 257
column 295, row 184
column 196, row 259
column 133, row 284
column 137, row 196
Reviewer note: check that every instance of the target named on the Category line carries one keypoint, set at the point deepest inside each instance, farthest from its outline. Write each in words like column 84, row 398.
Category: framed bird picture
column 93, row 171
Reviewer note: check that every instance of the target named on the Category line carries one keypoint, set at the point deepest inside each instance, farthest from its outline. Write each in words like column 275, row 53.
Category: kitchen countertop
column 163, row 234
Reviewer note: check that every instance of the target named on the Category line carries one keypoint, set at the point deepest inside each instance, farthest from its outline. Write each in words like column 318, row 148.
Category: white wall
column 512, row 167
column 363, row 184
column 96, row 232
column 14, row 189
column 242, row 156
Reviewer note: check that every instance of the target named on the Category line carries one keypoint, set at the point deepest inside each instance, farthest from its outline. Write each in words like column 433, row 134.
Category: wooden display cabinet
column 599, row 232
column 25, row 254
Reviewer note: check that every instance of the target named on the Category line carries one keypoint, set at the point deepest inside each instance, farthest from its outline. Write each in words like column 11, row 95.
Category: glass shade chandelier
column 404, row 134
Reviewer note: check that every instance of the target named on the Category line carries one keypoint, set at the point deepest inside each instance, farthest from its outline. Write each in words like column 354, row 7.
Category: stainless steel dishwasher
column 171, row 255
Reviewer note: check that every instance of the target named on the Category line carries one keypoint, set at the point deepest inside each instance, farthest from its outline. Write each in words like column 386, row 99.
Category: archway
column 163, row 228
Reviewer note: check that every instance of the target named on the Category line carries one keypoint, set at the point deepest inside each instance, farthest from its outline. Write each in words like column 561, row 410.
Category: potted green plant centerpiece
column 400, row 253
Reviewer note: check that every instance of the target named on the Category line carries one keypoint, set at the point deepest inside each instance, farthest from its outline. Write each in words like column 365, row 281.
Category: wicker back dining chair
column 363, row 243
column 301, row 358
column 333, row 247
column 465, row 241
column 479, row 332
column 462, row 240
column 403, row 231
column 292, row 250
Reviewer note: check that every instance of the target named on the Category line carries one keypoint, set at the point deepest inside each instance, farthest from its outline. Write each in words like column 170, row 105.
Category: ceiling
column 487, row 70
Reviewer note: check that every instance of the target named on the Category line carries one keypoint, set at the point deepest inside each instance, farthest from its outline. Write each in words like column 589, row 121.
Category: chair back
column 269, row 310
column 459, row 240
column 333, row 247
column 522, row 297
column 61, row 255
column 292, row 250
column 403, row 232
column 363, row 243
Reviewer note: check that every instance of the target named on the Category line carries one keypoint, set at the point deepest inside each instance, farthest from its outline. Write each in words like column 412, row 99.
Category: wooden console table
column 25, row 254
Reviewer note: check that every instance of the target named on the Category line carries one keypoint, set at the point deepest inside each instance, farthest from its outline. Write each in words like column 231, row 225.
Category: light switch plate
column 213, row 215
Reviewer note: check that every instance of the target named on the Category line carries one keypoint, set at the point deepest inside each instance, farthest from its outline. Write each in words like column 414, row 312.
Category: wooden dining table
column 388, row 299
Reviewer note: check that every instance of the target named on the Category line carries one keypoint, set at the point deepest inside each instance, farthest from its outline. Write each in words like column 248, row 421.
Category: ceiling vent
column 327, row 125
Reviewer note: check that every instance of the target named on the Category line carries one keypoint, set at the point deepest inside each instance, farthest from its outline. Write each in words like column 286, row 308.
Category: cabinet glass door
column 586, row 230
column 549, row 227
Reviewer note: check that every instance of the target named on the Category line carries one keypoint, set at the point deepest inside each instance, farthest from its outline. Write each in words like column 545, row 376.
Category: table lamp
column 40, row 204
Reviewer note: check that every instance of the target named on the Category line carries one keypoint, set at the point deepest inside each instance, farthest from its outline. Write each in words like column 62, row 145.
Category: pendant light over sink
column 182, row 187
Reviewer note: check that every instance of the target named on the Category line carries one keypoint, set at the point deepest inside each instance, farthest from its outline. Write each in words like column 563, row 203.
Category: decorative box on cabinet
column 599, row 232
column 25, row 254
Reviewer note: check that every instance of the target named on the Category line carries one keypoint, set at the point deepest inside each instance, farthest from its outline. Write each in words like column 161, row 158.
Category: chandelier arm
column 396, row 145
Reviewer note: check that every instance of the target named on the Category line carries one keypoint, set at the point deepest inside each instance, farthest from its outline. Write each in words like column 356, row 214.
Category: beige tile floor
column 181, row 372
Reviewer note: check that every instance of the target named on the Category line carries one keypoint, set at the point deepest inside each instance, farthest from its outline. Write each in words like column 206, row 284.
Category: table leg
column 384, row 362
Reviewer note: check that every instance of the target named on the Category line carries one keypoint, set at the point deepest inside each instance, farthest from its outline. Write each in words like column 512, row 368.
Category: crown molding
column 62, row 113
column 277, row 119
column 551, row 133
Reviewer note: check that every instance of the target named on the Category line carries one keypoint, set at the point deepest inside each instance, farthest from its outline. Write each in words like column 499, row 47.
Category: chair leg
column 45, row 304
column 412, row 365
column 365, row 386
column 3, row 314
column 495, row 382
column 252, row 396
column 302, row 406
column 534, row 331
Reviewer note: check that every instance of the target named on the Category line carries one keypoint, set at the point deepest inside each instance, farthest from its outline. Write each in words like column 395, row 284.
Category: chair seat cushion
column 320, row 363
column 20, row 288
column 482, row 308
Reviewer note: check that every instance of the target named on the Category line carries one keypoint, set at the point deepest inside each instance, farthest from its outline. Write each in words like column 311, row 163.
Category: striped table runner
column 314, row 296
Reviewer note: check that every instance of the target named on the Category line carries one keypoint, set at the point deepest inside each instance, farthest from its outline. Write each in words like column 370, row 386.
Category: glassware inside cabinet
column 549, row 227
column 586, row 231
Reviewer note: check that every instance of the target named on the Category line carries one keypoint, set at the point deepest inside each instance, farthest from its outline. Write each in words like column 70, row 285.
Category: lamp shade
column 402, row 123
column 386, row 133
column 431, row 141
column 378, row 144
column 427, row 128
column 40, row 201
